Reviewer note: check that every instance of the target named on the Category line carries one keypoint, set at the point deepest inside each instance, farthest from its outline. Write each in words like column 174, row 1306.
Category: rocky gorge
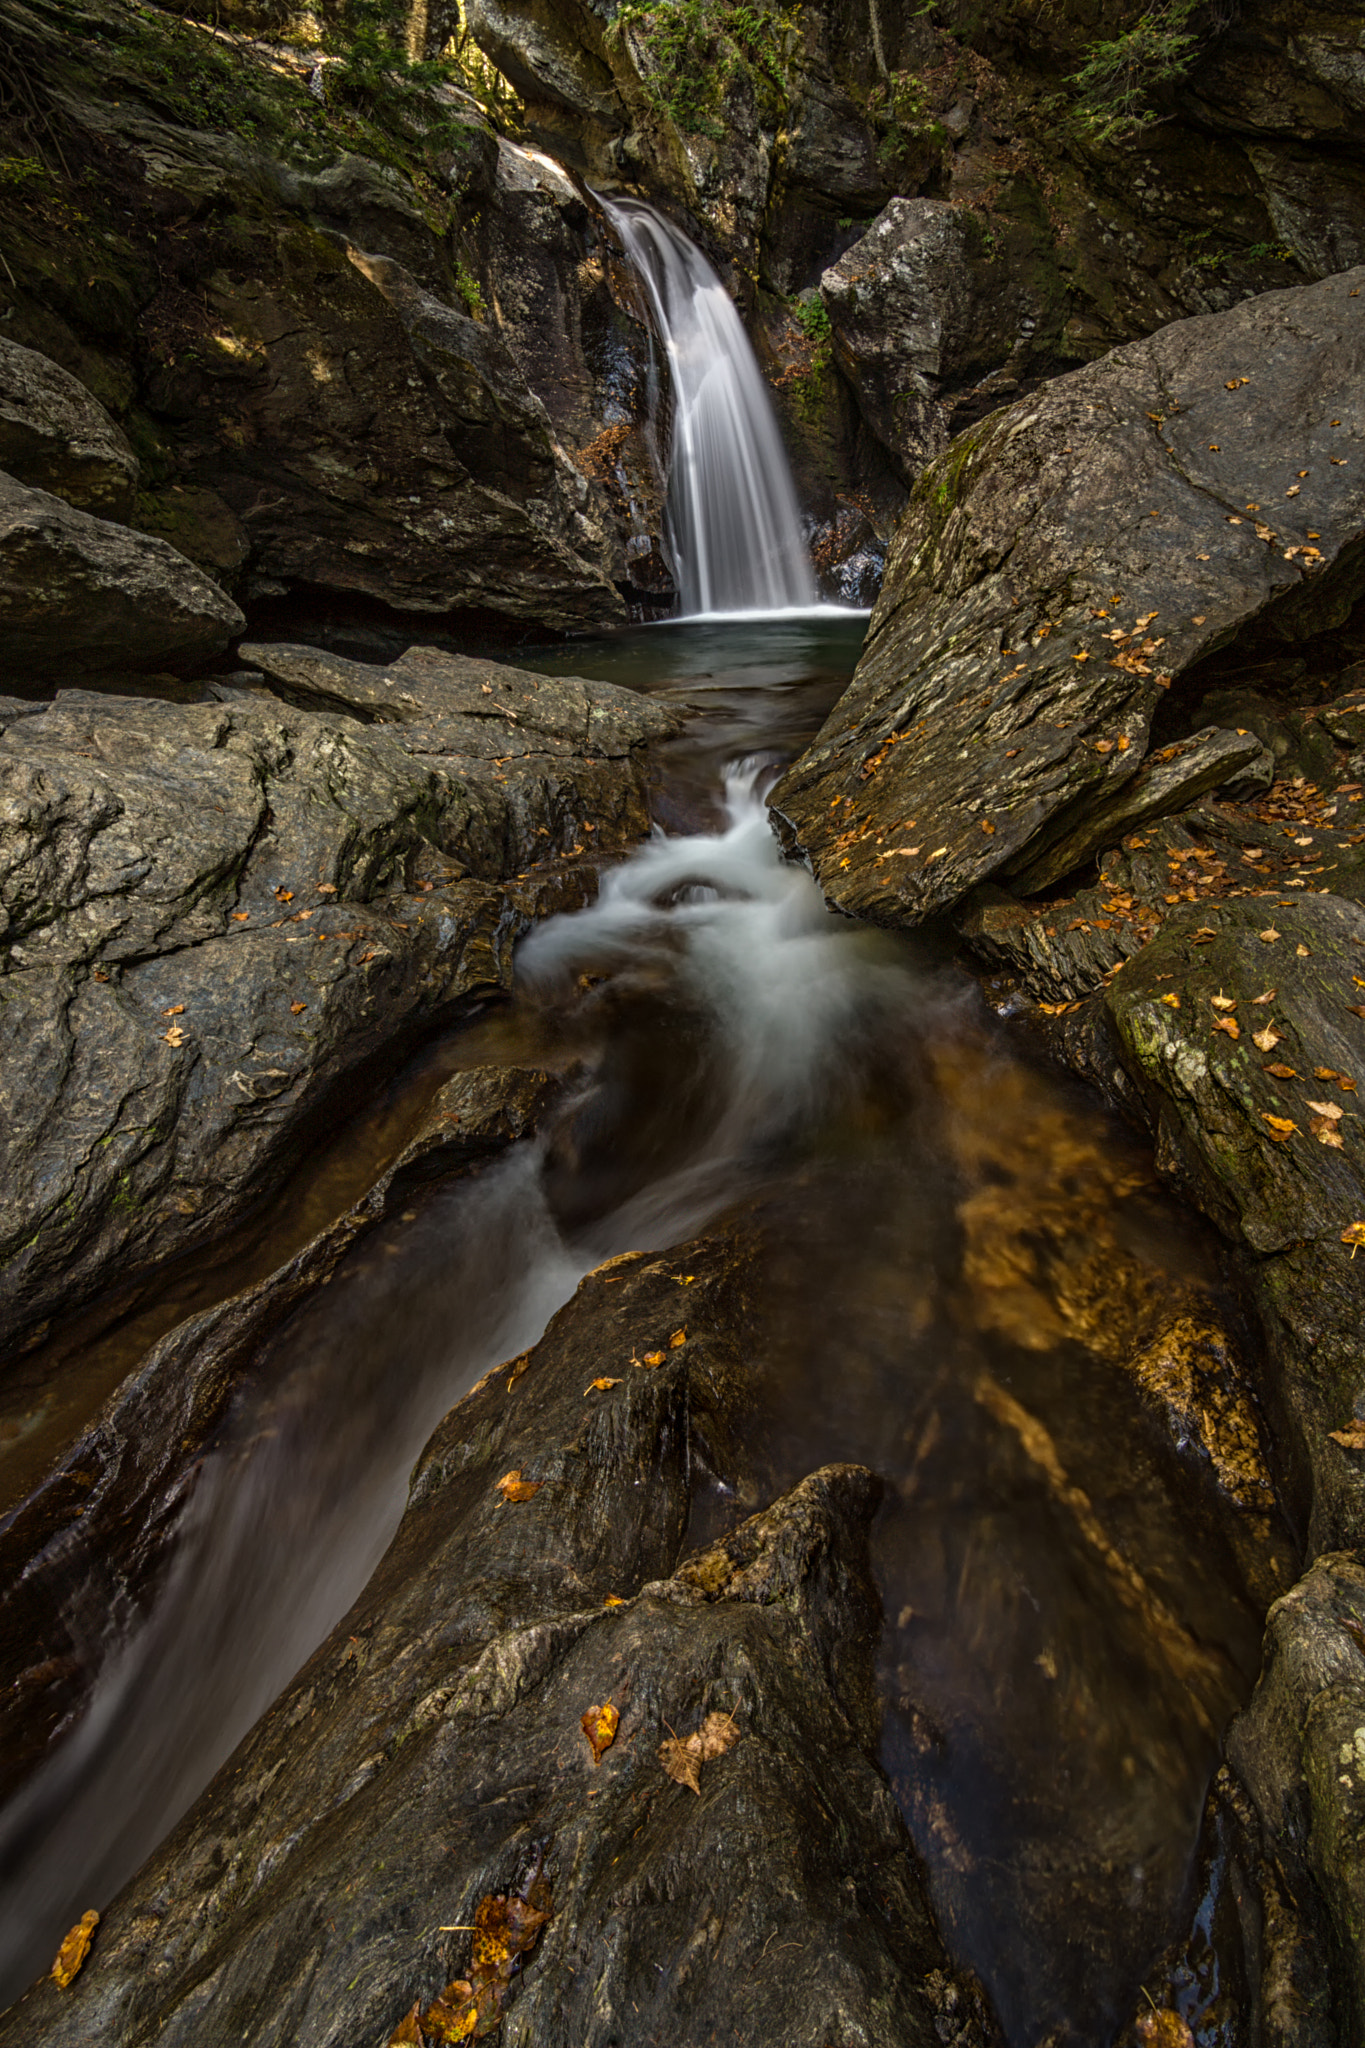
column 747, row 1435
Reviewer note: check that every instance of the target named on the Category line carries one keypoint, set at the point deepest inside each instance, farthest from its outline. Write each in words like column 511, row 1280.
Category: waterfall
column 734, row 525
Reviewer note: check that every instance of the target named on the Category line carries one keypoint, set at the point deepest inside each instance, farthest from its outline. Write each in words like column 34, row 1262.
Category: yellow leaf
column 1352, row 1438
column 1172, row 1001
column 75, row 1949
column 652, row 1358
column 600, row 1724
column 1223, row 1002
column 1354, row 1233
column 1268, row 997
column 678, row 1338
column 600, row 1386
column 176, row 1010
column 1269, row 936
column 1230, row 1026
column 1267, row 1039
column 1281, row 1127
column 513, row 1487
column 613, row 1600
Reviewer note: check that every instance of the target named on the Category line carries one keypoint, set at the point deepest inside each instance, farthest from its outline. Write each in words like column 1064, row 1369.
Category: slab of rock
column 1056, row 572
column 79, row 593
column 213, row 912
column 431, row 1752
column 56, row 436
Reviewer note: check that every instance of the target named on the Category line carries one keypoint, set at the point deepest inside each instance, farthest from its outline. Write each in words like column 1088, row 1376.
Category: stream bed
column 969, row 1281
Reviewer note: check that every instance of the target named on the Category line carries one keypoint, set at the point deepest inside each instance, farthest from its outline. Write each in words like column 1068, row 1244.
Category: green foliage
column 696, row 47
column 376, row 79
column 467, row 285
column 20, row 170
column 1111, row 93
column 812, row 317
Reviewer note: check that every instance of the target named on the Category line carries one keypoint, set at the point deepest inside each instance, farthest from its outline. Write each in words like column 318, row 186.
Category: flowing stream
column 962, row 1259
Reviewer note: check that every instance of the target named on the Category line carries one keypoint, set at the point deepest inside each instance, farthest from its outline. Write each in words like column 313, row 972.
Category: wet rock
column 444, row 1747
column 56, row 437
column 213, row 912
column 80, row 593
column 1300, row 1748
column 1055, row 574
column 914, row 306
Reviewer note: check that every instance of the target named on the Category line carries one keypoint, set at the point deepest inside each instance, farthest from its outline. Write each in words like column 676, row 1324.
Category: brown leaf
column 75, row 1949
column 1165, row 2029
column 716, row 1734
column 298, row 1008
column 1230, row 1026
column 1223, row 1002
column 1267, row 1038
column 600, row 1386
column 284, row 895
column 600, row 1725
column 1304, row 952
column 1269, row 935
column 408, row 2032
column 1281, row 1127
column 1324, row 1073
column 652, row 1358
column 176, row 1010
column 683, row 1758
column 513, row 1487
column 1326, row 1133
column 1352, row 1438
column 681, row 1762
column 1281, row 1072
column 175, row 1036
column 1268, row 997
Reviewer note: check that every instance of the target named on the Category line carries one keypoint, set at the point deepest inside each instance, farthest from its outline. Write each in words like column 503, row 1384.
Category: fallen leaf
column 1165, row 2029
column 678, row 1339
column 600, row 1386
column 1281, row 1127
column 176, row 1010
column 240, row 916
column 1223, row 1002
column 408, row 2032
column 600, row 1724
column 1230, row 1026
column 175, row 1036
column 987, row 827
column 1268, row 1039
column 513, row 1487
column 298, row 1008
column 614, row 1600
column 1325, row 1074
column 1268, row 997
column 284, row 895
column 1304, row 952
column 1352, row 1438
column 327, row 888
column 1328, row 1109
column 1281, row 1072
column 1326, row 1133
column 1269, row 935
column 1171, row 1001
column 682, row 1758
column 75, row 1949
column 652, row 1358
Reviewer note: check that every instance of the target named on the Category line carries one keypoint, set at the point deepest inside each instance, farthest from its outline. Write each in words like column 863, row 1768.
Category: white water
column 734, row 524
column 291, row 1513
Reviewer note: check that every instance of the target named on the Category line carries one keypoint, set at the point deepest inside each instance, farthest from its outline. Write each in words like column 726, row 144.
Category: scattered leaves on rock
column 683, row 1756
column 1165, row 2029
column 600, row 1725
column 505, row 1928
column 1281, row 1127
column 75, row 1949
column 513, row 1487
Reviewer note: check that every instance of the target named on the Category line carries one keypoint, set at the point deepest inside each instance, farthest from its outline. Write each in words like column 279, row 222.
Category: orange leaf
column 1352, row 1438
column 1281, row 1127
column 678, row 1338
column 1230, row 1026
column 600, row 1724
column 513, row 1487
column 75, row 1949
column 298, row 1008
column 600, row 1386
column 653, row 1358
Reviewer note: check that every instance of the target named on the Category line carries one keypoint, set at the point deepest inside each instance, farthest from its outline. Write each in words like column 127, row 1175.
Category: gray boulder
column 56, row 436
column 80, row 594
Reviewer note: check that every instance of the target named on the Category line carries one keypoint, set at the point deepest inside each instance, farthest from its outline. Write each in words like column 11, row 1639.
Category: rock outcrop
column 213, row 912
column 1059, row 571
column 446, row 1747
column 55, row 436
column 79, row 593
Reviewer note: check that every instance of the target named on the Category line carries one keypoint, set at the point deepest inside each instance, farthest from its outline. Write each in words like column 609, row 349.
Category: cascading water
column 734, row 524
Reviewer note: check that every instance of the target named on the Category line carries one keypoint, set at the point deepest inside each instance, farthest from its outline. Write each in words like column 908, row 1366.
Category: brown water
column 969, row 1281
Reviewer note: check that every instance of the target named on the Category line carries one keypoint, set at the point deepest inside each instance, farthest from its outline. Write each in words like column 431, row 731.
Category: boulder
column 213, row 912
column 1059, row 570
column 79, row 593
column 446, row 1761
column 57, row 437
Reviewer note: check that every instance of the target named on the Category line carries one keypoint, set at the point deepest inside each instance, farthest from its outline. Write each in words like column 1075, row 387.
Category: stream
column 965, row 1264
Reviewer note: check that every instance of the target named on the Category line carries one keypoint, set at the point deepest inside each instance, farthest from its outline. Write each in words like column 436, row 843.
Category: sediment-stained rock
column 1056, row 573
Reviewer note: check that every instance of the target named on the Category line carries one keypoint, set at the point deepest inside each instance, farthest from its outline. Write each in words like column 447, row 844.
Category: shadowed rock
column 55, row 436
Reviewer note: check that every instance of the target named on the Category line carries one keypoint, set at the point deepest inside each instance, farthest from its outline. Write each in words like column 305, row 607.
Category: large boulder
column 213, row 912
column 1056, row 573
column 56, row 435
column 321, row 1893
column 79, row 594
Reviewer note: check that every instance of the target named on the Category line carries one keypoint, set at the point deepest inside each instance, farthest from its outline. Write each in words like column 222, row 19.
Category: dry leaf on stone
column 1326, row 1133
column 1221, row 1002
column 651, row 1358
column 600, row 1386
column 1327, row 1109
column 1352, row 1438
column 1230, row 1026
column 683, row 1757
column 1268, row 997
column 600, row 1724
column 1164, row 2029
column 1304, row 952
column 679, row 1337
column 1172, row 1001
column 1268, row 1038
column 1281, row 1127
column 1354, row 1235
column 176, row 1010
column 1269, row 935
column 75, row 1949
column 513, row 1487
column 1282, row 1072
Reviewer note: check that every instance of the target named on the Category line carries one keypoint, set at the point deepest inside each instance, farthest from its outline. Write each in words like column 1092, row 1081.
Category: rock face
column 446, row 1760
column 79, row 593
column 213, row 912
column 1055, row 575
column 56, row 437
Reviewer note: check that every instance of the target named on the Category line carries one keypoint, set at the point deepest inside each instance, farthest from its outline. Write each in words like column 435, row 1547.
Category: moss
column 697, row 49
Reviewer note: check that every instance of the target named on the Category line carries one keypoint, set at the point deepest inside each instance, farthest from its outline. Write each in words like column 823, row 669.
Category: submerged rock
column 213, row 912
column 446, row 1760
column 1058, row 571
column 80, row 593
